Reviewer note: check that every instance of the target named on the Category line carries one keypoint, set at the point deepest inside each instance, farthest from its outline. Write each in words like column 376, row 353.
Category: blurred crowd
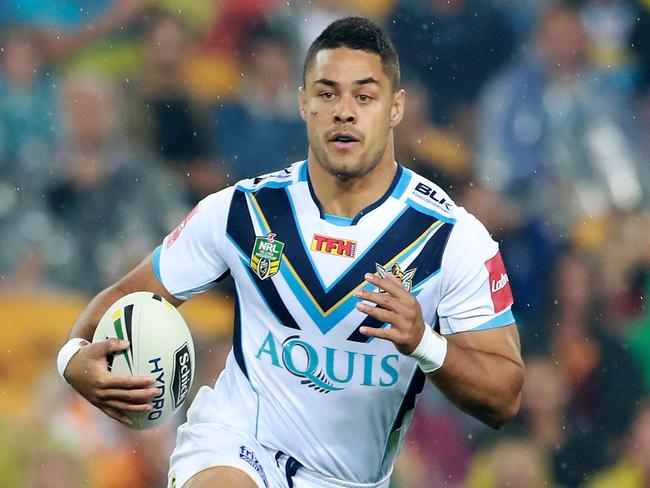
column 117, row 116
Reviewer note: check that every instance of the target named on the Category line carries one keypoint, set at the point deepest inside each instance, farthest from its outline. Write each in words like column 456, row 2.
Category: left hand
column 396, row 307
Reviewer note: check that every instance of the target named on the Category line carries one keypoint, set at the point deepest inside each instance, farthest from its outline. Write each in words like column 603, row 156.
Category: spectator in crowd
column 65, row 28
column 111, row 205
column 236, row 19
column 453, row 47
column 438, row 153
column 608, row 25
column 165, row 116
column 553, row 136
column 308, row 19
column 573, row 448
column 28, row 121
column 28, row 136
column 632, row 469
column 606, row 383
column 511, row 463
column 265, row 116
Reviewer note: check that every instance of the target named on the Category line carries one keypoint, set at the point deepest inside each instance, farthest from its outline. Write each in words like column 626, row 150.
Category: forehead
column 345, row 66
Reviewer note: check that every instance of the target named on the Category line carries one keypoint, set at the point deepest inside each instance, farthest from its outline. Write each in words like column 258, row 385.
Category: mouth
column 343, row 140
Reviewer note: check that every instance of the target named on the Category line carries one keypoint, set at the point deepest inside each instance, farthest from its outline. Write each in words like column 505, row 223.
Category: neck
column 346, row 198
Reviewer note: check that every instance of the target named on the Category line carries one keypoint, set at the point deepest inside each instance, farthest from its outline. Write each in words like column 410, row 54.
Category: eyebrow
column 364, row 81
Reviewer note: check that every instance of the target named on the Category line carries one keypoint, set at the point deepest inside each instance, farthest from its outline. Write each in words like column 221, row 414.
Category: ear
column 397, row 108
column 302, row 100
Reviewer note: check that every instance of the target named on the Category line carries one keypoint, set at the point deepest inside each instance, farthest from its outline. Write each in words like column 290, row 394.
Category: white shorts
column 200, row 446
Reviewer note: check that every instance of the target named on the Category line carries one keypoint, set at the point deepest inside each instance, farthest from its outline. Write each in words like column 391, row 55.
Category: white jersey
column 301, row 378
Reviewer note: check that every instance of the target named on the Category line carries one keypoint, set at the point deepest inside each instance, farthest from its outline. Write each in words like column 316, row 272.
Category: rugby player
column 356, row 280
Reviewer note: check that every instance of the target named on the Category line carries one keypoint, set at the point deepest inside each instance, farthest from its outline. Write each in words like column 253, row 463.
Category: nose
column 344, row 111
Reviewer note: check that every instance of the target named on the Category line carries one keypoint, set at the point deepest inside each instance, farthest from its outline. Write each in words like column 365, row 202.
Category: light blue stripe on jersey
column 336, row 220
column 302, row 171
column 155, row 262
column 429, row 211
column 268, row 184
column 403, row 184
column 183, row 295
column 501, row 320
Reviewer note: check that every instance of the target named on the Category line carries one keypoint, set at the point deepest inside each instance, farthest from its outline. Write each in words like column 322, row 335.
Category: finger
column 381, row 314
column 117, row 415
column 390, row 284
column 386, row 334
column 104, row 348
column 114, row 381
column 129, row 407
column 384, row 300
column 130, row 396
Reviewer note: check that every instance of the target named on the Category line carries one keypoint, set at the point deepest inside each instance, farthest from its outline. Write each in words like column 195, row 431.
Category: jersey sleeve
column 190, row 259
column 475, row 290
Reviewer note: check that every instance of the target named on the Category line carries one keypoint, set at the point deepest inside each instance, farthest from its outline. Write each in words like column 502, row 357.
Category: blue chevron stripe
column 352, row 264
column 271, row 298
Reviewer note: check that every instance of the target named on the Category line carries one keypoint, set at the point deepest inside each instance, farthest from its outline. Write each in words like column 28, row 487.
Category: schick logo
column 328, row 369
column 182, row 376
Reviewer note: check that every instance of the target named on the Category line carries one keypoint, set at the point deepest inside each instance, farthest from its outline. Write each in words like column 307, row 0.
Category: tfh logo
column 334, row 245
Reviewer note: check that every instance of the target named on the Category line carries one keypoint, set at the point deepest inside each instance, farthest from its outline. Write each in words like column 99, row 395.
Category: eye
column 327, row 95
column 363, row 98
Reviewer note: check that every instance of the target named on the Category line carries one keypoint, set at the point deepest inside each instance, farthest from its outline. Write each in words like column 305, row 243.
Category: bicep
column 500, row 341
column 143, row 278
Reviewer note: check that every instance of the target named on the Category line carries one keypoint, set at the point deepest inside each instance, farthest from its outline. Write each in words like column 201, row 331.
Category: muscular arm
column 483, row 374
column 483, row 371
column 141, row 278
column 87, row 370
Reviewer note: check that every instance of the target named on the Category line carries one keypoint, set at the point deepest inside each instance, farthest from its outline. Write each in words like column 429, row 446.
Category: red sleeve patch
column 499, row 283
column 171, row 238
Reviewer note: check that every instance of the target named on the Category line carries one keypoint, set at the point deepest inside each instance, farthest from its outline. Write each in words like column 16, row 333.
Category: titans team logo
column 406, row 277
column 267, row 253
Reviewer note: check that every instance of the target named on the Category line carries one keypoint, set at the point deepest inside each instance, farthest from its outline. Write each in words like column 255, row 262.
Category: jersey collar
column 396, row 189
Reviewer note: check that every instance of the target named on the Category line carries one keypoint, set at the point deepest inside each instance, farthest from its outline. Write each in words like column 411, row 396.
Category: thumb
column 108, row 346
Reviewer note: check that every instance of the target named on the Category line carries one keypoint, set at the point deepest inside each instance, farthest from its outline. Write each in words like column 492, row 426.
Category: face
column 350, row 109
column 561, row 38
column 167, row 44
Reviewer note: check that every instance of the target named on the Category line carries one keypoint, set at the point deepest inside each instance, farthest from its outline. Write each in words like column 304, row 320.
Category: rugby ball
column 160, row 345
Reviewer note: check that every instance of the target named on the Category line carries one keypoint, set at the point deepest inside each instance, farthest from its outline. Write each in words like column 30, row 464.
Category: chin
column 348, row 172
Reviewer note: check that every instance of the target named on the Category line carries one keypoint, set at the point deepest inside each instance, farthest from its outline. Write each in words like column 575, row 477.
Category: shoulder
column 426, row 197
column 277, row 179
column 468, row 238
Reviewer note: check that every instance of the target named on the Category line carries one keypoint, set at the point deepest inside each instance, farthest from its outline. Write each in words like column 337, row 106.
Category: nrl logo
column 406, row 277
column 267, row 253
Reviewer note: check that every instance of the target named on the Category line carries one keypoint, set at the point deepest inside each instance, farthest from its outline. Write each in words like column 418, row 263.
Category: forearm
column 485, row 385
column 142, row 278
column 87, row 321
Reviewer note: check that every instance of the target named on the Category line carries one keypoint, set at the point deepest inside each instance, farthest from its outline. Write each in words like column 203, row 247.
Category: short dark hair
column 361, row 34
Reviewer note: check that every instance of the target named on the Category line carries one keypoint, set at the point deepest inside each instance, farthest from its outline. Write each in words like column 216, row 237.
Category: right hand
column 88, row 373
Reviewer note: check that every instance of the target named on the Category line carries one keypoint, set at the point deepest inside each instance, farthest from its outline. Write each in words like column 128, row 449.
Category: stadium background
column 116, row 116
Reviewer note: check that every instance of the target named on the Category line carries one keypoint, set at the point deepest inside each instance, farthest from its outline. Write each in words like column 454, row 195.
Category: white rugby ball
column 160, row 346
